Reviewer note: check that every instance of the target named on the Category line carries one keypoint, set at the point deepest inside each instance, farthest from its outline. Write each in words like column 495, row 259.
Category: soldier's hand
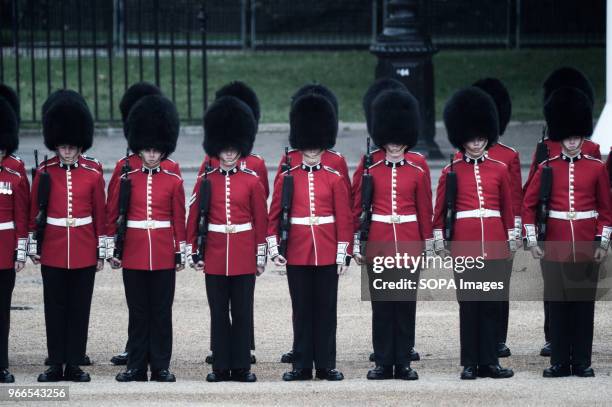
column 260, row 270
column 180, row 267
column 35, row 259
column 358, row 258
column 279, row 261
column 115, row 263
column 19, row 265
column 536, row 252
column 99, row 265
column 600, row 255
column 342, row 270
column 199, row 266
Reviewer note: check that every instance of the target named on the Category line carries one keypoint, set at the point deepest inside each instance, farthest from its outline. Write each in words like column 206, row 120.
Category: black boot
column 332, row 375
column 414, row 355
column 583, row 371
column 75, row 374
column 468, row 373
column 243, row 375
column 132, row 375
column 288, row 357
column 495, row 372
column 380, row 373
column 53, row 374
column 546, row 350
column 210, row 359
column 503, row 351
column 120, row 359
column 6, row 376
column 297, row 374
column 405, row 373
column 218, row 376
column 163, row 375
column 557, row 370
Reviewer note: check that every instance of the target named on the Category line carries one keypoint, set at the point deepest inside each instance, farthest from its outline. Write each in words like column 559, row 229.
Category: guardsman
column 547, row 148
column 14, row 199
column 153, row 247
column 379, row 154
column 509, row 156
column 252, row 161
column 401, row 211
column 577, row 215
column 329, row 157
column 226, row 231
column 67, row 234
column 133, row 94
column 480, row 225
column 316, row 247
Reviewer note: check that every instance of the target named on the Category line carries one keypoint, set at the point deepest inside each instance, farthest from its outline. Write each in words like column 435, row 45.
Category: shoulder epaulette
column 457, row 161
column 330, row 169
column 415, row 152
column 375, row 164
column 496, row 161
column 375, row 150
column 292, row 168
column 11, row 171
column 47, row 163
column 248, row 171
column 87, row 167
column 171, row 173
column 590, row 157
column 16, row 158
column 92, row 159
column 335, row 152
column 414, row 165
column 508, row 147
column 549, row 160
column 212, row 169
column 171, row 160
column 256, row 156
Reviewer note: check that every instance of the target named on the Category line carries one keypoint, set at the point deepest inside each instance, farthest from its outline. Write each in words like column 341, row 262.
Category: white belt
column 7, row 225
column 69, row 222
column 241, row 227
column 393, row 218
column 148, row 224
column 572, row 215
column 478, row 213
column 313, row 220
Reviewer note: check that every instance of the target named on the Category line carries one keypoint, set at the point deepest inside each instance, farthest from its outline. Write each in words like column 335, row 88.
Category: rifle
column 44, row 188
column 544, row 201
column 204, row 211
column 367, row 191
column 286, row 201
column 451, row 197
column 125, row 191
column 35, row 165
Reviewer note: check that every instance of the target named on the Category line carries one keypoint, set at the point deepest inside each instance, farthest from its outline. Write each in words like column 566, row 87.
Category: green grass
column 276, row 75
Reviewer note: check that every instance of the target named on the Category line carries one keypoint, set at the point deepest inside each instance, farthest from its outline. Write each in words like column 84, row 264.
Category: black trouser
column 314, row 297
column 546, row 310
column 571, row 295
column 150, row 295
column 479, row 314
column 7, row 283
column 231, row 339
column 504, row 306
column 67, row 296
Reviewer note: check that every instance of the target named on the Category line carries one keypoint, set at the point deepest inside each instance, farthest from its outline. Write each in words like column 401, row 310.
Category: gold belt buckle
column 150, row 224
column 571, row 215
column 395, row 219
column 70, row 222
column 230, row 229
column 314, row 220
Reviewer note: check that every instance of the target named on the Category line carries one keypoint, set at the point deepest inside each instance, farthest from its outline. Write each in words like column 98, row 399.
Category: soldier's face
column 476, row 146
column 151, row 157
column 572, row 145
column 312, row 156
column 68, row 154
column 229, row 157
column 395, row 150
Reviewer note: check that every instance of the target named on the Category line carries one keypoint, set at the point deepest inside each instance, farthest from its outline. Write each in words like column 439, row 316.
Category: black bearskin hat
column 229, row 122
column 9, row 128
column 153, row 122
column 243, row 92
column 568, row 112
column 132, row 95
column 319, row 90
column 11, row 97
column 470, row 113
column 496, row 89
column 396, row 118
column 567, row 76
column 373, row 91
column 67, row 120
column 313, row 123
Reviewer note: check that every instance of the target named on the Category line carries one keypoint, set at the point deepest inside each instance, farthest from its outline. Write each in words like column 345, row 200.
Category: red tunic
column 483, row 187
column 76, row 199
column 253, row 162
column 554, row 149
column 321, row 220
column 157, row 196
column 329, row 158
column 377, row 155
column 238, row 218
column 16, row 164
column 401, row 190
column 580, row 185
column 13, row 217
